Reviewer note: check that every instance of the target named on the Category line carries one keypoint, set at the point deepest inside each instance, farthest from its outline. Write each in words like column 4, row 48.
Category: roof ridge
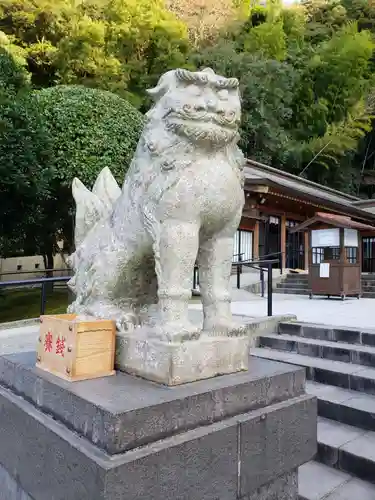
column 282, row 173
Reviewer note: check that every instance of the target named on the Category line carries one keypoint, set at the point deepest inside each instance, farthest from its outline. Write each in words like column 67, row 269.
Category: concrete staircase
column 368, row 285
column 340, row 371
column 294, row 284
column 298, row 284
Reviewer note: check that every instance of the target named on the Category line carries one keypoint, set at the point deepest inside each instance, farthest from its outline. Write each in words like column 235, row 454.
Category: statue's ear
column 164, row 84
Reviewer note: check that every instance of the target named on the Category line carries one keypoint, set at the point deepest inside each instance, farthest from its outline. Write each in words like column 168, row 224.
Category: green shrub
column 90, row 129
column 25, row 172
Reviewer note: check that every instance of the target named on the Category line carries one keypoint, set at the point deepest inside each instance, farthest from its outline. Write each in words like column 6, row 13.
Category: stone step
column 336, row 373
column 330, row 333
column 296, row 276
column 291, row 291
column 346, row 448
column 299, row 286
column 295, row 284
column 318, row 481
column 344, row 405
column 336, row 351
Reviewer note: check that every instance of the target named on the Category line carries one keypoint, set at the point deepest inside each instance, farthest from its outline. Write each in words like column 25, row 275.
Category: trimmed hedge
column 90, row 129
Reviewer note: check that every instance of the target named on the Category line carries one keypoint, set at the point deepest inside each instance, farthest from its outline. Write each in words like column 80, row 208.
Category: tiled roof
column 258, row 173
column 255, row 171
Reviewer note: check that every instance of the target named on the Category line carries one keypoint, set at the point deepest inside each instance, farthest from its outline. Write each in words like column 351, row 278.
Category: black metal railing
column 262, row 265
column 37, row 271
column 276, row 257
column 42, row 282
column 258, row 264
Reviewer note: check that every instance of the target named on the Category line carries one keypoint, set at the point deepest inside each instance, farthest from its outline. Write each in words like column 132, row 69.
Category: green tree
column 25, row 174
column 362, row 11
column 334, row 79
column 109, row 44
column 267, row 88
column 304, row 82
column 14, row 75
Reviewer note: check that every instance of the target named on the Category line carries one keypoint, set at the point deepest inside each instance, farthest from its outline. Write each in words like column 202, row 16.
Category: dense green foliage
column 25, row 170
column 307, row 76
column 90, row 129
column 116, row 45
column 304, row 83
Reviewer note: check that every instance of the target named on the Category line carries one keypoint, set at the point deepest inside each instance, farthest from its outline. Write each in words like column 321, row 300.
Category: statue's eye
column 194, row 90
column 223, row 95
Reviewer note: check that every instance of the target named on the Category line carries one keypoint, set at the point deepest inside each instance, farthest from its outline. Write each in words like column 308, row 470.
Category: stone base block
column 179, row 363
column 284, row 487
column 235, row 437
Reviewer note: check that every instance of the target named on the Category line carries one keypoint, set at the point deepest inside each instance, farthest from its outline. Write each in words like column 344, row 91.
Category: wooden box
column 75, row 349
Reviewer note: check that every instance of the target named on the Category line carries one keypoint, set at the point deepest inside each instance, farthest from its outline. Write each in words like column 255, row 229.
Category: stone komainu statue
column 181, row 200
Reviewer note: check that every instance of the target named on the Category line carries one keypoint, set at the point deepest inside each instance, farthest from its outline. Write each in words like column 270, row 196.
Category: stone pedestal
column 239, row 436
column 175, row 363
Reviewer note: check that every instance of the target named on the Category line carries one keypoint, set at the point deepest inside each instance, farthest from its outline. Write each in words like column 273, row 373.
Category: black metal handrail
column 36, row 281
column 44, row 281
column 34, row 271
column 261, row 263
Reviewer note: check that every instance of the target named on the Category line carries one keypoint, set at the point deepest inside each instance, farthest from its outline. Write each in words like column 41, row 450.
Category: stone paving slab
column 335, row 373
column 344, row 405
column 336, row 351
column 309, row 361
column 336, row 434
column 316, row 480
column 355, row 489
column 348, row 448
column 319, row 482
column 351, row 313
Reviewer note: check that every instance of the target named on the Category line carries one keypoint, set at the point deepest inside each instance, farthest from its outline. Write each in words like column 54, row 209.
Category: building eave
column 257, row 174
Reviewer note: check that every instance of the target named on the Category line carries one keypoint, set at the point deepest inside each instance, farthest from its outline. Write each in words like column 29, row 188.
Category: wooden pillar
column 307, row 249
column 283, row 240
column 342, row 246
column 256, row 241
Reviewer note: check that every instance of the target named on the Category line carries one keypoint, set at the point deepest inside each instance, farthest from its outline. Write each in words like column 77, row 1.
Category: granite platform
column 239, row 436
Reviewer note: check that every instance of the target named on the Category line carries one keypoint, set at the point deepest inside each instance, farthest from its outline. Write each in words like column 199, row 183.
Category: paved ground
column 18, row 339
column 350, row 313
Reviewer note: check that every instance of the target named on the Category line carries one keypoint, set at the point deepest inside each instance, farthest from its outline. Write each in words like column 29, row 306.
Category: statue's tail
column 92, row 206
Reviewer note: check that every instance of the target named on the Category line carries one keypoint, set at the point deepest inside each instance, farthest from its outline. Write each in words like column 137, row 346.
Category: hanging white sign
column 324, row 270
column 325, row 238
column 351, row 238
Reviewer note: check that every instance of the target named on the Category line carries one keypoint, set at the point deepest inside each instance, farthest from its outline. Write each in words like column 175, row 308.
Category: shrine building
column 277, row 201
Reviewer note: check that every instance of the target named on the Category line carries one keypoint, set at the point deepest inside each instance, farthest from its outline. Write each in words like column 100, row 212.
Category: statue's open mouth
column 202, row 119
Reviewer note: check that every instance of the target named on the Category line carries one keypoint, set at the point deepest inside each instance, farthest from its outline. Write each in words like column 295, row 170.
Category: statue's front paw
column 175, row 331
column 223, row 326
column 126, row 322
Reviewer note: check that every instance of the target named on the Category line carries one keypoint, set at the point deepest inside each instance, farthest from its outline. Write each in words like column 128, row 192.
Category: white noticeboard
column 324, row 270
column 325, row 238
column 350, row 238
